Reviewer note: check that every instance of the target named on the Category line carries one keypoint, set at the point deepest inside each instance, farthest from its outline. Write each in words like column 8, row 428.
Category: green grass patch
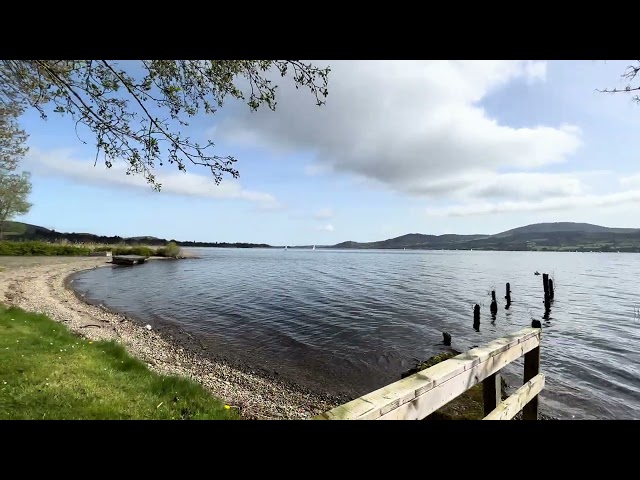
column 171, row 250
column 41, row 248
column 36, row 248
column 47, row 372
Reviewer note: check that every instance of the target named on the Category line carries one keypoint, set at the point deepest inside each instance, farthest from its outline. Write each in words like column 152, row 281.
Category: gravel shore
column 37, row 284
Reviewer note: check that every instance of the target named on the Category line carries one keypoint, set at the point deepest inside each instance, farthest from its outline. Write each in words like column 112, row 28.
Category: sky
column 400, row 147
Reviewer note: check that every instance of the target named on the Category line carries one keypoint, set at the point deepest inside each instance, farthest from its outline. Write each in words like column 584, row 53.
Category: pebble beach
column 41, row 285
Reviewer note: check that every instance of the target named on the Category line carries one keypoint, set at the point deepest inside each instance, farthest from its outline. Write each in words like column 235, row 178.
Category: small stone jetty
column 128, row 260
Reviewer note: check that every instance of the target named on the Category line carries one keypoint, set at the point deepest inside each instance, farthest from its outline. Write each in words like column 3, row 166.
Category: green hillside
column 561, row 236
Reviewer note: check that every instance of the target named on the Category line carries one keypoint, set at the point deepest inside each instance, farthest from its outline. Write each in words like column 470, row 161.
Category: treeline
column 44, row 235
column 39, row 248
column 224, row 244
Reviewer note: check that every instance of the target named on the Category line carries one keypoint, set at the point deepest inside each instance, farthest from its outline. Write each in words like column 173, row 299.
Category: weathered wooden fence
column 417, row 396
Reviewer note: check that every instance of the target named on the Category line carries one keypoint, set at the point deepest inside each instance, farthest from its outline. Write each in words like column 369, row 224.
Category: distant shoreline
column 552, row 237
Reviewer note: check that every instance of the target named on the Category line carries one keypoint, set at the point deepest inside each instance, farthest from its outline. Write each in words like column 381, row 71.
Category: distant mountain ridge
column 559, row 236
column 562, row 236
column 566, row 227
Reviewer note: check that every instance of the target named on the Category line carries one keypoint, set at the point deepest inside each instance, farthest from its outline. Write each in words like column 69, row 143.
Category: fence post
column 491, row 392
column 531, row 369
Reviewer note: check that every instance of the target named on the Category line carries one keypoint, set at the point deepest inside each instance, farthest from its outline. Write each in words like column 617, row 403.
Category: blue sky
column 401, row 147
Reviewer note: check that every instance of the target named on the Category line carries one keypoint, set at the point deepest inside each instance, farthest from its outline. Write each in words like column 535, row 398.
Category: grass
column 170, row 250
column 143, row 251
column 41, row 248
column 47, row 372
column 36, row 248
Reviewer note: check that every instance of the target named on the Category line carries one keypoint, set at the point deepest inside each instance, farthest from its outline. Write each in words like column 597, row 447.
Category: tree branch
column 144, row 109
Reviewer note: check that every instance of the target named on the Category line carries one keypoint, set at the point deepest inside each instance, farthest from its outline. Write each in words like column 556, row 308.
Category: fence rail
column 419, row 395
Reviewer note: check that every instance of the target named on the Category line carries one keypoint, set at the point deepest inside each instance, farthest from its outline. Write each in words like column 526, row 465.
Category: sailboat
column 285, row 247
column 314, row 247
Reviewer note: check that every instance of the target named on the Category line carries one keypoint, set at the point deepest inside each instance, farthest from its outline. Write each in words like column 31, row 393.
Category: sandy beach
column 37, row 284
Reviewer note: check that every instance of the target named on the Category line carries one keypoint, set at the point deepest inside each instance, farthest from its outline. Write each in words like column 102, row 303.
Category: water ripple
column 352, row 321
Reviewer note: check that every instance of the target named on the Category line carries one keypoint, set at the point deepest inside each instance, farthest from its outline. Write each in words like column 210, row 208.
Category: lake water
column 352, row 321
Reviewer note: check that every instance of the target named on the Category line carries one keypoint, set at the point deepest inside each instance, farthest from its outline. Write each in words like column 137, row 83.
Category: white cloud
column 548, row 204
column 631, row 180
column 412, row 126
column 326, row 228
column 62, row 163
column 323, row 214
column 507, row 185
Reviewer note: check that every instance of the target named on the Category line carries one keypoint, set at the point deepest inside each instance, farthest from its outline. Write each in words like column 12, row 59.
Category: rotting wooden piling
column 476, row 317
column 545, row 285
column 446, row 338
column 550, row 288
column 494, row 304
column 508, row 296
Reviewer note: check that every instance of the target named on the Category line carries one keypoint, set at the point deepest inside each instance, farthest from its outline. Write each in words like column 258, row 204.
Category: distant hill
column 19, row 228
column 560, row 236
column 565, row 227
column 25, row 231
column 414, row 240
column 144, row 239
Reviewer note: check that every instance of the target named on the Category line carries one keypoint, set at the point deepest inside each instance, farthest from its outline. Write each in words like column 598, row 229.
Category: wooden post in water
column 545, row 285
column 536, row 324
column 531, row 369
column 446, row 338
column 476, row 317
column 551, row 294
column 494, row 304
column 508, row 296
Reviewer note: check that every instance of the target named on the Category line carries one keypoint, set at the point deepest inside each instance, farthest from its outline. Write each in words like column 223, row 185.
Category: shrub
column 8, row 248
column 171, row 250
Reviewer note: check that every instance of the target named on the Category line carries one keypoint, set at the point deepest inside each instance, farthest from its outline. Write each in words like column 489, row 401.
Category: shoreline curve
column 43, row 285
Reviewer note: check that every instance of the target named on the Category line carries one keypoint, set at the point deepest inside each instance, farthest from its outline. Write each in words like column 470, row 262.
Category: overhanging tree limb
column 97, row 94
column 630, row 74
